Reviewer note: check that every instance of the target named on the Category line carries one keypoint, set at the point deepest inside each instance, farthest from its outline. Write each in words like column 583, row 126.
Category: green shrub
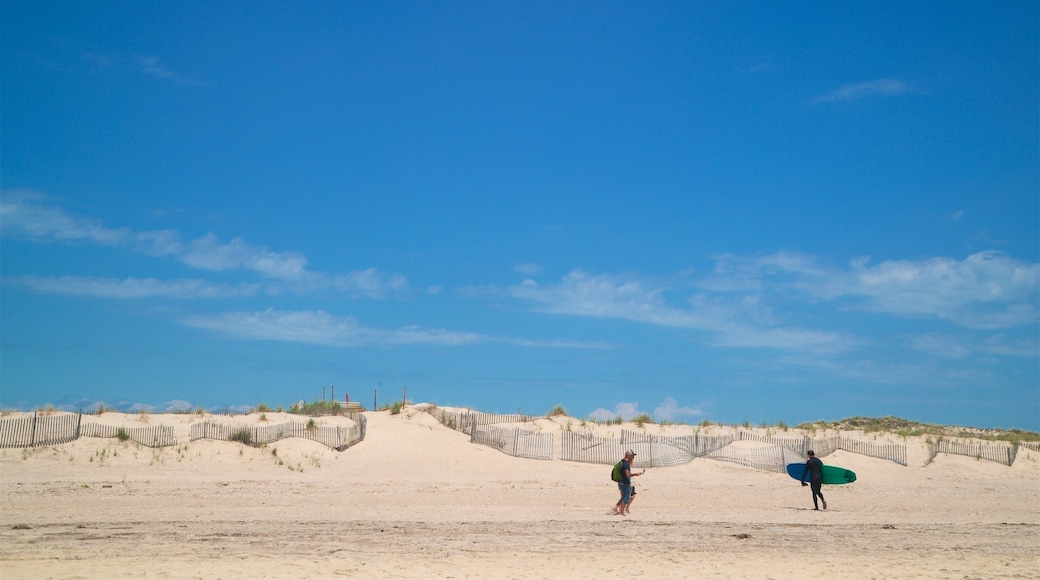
column 122, row 434
column 243, row 435
column 557, row 411
column 642, row 419
column 316, row 408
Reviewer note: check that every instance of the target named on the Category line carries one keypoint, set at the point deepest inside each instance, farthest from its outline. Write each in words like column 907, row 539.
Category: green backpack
column 615, row 474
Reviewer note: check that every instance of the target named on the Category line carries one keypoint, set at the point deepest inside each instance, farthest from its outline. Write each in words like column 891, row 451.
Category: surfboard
column 832, row 475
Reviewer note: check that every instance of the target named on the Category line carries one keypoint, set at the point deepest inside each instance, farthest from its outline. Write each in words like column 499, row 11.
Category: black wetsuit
column 814, row 469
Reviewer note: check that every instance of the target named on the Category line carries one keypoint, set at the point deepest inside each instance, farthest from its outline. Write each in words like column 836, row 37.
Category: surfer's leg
column 816, row 493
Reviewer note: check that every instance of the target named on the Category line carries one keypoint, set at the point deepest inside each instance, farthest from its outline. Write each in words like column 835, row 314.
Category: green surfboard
column 832, row 475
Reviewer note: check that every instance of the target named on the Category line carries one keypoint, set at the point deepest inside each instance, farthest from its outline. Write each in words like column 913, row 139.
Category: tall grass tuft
column 557, row 411
column 243, row 435
column 643, row 419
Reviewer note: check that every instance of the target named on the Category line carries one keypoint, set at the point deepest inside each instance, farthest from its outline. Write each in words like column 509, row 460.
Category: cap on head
column 630, row 453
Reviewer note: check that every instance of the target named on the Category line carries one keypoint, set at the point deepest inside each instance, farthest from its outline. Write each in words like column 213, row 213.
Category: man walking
column 814, row 469
column 625, row 485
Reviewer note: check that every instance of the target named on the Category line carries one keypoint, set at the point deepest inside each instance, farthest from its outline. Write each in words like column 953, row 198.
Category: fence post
column 32, row 437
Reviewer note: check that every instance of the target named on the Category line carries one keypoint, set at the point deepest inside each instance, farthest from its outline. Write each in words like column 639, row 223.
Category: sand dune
column 418, row 500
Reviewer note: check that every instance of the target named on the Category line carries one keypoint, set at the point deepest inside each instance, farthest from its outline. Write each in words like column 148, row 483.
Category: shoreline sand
column 418, row 500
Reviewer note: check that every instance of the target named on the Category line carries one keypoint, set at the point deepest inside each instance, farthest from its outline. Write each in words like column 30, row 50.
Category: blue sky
column 697, row 210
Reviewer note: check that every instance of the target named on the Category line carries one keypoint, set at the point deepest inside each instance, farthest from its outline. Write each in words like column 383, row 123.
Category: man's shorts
column 626, row 492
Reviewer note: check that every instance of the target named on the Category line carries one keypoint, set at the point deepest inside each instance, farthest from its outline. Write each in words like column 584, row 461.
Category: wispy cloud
column 152, row 66
column 209, row 253
column 668, row 410
column 749, row 301
column 130, row 288
column 985, row 290
column 863, row 90
column 736, row 321
column 99, row 61
column 671, row 410
column 951, row 346
column 624, row 410
column 30, row 215
column 322, row 328
column 528, row 269
column 27, row 214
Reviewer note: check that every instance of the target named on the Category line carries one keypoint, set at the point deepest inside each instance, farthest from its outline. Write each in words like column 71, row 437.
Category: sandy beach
column 416, row 499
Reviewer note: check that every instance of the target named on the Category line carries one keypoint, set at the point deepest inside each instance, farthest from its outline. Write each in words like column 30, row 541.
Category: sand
column 418, row 500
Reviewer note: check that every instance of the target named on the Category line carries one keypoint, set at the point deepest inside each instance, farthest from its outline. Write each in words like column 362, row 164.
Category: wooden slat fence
column 669, row 451
column 467, row 421
column 516, row 442
column 155, row 436
column 338, row 438
column 496, row 418
column 39, row 430
column 772, row 458
column 17, row 432
column 459, row 421
column 890, row 451
column 587, row 448
column 821, row 446
column 651, row 450
column 998, row 452
column 1030, row 445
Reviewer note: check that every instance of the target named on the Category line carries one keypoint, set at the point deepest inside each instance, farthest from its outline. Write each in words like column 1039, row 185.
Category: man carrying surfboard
column 814, row 469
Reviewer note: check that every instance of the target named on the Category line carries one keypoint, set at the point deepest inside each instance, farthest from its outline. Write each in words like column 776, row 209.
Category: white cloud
column 130, row 288
column 748, row 301
column 528, row 269
column 671, row 410
column 371, row 282
column 738, row 322
column 176, row 406
column 28, row 214
column 209, row 253
column 318, row 327
column 603, row 296
column 24, row 213
column 984, row 290
column 152, row 66
column 857, row 91
column 949, row 346
column 668, row 410
column 626, row 411
column 100, row 61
